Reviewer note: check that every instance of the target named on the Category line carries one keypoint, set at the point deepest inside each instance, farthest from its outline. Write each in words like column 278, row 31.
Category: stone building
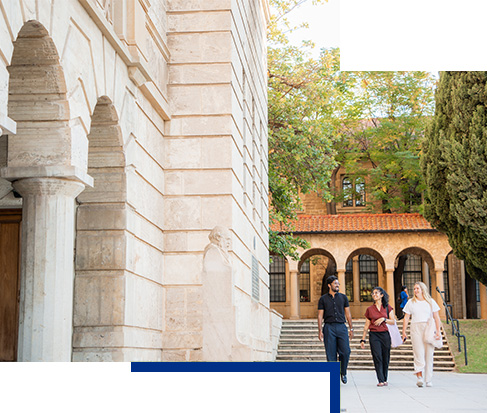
column 365, row 250
column 129, row 130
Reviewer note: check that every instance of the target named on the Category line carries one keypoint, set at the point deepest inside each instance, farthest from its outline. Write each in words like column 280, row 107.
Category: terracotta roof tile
column 359, row 223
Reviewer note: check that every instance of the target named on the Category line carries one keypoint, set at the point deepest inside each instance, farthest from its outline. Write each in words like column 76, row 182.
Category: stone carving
column 217, row 249
column 218, row 308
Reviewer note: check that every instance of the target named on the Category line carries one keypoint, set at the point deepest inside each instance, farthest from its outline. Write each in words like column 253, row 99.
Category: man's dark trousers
column 335, row 337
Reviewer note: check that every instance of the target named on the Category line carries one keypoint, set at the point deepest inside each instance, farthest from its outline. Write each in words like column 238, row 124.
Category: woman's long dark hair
column 385, row 296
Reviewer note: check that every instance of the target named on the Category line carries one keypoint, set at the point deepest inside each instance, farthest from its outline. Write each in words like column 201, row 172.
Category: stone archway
column 101, row 227
column 362, row 278
column 40, row 165
column 322, row 265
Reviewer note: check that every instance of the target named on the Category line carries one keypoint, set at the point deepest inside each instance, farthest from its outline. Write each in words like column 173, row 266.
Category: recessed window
column 446, row 283
column 413, row 272
column 369, row 277
column 304, row 283
column 353, row 190
column 277, row 279
column 349, row 280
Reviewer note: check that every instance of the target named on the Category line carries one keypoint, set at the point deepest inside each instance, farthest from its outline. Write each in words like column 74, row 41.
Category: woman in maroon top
column 376, row 317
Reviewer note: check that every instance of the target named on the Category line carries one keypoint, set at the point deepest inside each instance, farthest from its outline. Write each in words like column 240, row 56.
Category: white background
column 111, row 387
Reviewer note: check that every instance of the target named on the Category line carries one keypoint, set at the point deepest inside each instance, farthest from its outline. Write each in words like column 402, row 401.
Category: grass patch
column 476, row 333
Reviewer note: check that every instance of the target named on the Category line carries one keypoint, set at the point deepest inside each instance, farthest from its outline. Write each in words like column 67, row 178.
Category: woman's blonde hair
column 424, row 290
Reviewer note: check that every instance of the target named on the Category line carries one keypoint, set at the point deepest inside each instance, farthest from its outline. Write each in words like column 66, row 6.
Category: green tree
column 382, row 123
column 454, row 164
column 301, row 153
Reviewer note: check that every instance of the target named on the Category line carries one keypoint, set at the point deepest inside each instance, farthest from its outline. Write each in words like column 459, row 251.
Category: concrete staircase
column 299, row 342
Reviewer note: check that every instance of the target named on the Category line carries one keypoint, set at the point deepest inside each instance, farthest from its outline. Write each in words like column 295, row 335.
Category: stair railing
column 455, row 325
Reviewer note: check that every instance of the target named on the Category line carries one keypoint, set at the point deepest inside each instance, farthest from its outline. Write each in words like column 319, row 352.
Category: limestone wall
column 276, row 326
column 216, row 167
column 158, row 107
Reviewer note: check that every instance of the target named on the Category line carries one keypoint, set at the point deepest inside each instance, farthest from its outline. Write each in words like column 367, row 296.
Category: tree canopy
column 320, row 118
column 301, row 154
column 454, row 163
column 381, row 128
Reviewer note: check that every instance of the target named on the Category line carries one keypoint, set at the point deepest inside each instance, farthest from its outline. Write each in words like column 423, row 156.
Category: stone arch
column 37, row 102
column 106, row 158
column 425, row 255
column 367, row 251
column 331, row 267
column 315, row 251
column 101, row 252
column 40, row 165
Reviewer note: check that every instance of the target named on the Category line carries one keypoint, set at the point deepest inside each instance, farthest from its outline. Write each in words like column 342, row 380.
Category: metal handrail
column 455, row 325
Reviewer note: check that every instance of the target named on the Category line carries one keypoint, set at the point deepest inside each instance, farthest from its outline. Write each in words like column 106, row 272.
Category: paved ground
column 451, row 392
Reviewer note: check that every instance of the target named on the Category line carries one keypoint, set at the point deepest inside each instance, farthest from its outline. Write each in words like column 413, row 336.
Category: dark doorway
column 9, row 282
column 471, row 297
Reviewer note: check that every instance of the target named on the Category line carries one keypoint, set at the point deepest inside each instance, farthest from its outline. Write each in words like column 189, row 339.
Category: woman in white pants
column 420, row 308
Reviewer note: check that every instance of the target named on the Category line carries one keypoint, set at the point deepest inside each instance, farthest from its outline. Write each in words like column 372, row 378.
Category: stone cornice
column 54, row 171
column 150, row 91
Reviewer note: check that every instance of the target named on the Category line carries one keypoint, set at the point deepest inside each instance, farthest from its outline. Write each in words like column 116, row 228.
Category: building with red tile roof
column 365, row 250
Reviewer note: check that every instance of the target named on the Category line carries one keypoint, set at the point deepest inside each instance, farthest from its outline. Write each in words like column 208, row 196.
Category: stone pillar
column 341, row 280
column 390, row 287
column 294, row 276
column 436, row 295
column 483, row 301
column 356, row 280
column 47, row 268
column 426, row 275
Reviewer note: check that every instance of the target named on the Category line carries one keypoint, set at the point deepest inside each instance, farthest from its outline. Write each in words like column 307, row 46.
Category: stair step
column 299, row 342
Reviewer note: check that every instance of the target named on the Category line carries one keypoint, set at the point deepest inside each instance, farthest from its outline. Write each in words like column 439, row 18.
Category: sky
column 323, row 20
column 426, row 35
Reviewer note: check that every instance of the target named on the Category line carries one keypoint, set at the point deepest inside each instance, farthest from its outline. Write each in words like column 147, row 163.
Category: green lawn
column 476, row 333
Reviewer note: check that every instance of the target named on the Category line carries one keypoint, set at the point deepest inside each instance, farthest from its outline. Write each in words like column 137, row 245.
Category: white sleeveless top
column 420, row 311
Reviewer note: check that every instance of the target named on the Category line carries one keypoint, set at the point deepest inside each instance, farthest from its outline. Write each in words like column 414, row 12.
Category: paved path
column 451, row 392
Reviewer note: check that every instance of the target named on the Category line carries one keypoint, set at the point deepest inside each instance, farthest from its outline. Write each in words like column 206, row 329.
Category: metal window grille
column 349, row 280
column 369, row 277
column 446, row 281
column 413, row 272
column 304, row 283
column 277, row 279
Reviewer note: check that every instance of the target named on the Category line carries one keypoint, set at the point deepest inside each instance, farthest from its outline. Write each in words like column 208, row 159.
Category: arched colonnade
column 350, row 255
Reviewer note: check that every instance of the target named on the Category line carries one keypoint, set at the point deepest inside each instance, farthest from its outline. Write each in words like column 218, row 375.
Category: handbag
column 396, row 339
column 429, row 334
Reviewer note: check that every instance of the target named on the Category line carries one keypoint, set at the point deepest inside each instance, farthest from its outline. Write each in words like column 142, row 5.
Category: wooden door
column 9, row 282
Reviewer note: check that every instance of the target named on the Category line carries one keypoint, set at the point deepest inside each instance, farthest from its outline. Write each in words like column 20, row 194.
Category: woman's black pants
column 380, row 346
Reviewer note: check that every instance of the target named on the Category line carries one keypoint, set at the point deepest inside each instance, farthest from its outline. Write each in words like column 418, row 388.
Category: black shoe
column 344, row 378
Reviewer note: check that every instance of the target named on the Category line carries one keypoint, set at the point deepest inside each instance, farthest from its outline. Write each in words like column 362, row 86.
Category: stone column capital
column 48, row 186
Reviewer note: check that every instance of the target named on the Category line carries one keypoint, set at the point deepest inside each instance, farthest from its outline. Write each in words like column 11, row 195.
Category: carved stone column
column 47, row 268
column 356, row 280
column 436, row 295
column 341, row 280
column 390, row 288
column 294, row 278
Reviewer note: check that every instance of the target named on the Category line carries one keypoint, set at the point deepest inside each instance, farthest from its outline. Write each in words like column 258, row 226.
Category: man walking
column 333, row 308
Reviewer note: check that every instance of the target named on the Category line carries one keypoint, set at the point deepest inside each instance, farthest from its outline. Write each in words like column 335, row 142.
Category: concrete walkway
column 451, row 392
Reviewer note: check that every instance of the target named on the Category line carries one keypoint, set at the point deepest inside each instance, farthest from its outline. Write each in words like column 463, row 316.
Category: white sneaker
column 419, row 383
column 429, row 384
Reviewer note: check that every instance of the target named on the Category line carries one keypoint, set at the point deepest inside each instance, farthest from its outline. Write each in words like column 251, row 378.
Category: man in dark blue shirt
column 333, row 309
